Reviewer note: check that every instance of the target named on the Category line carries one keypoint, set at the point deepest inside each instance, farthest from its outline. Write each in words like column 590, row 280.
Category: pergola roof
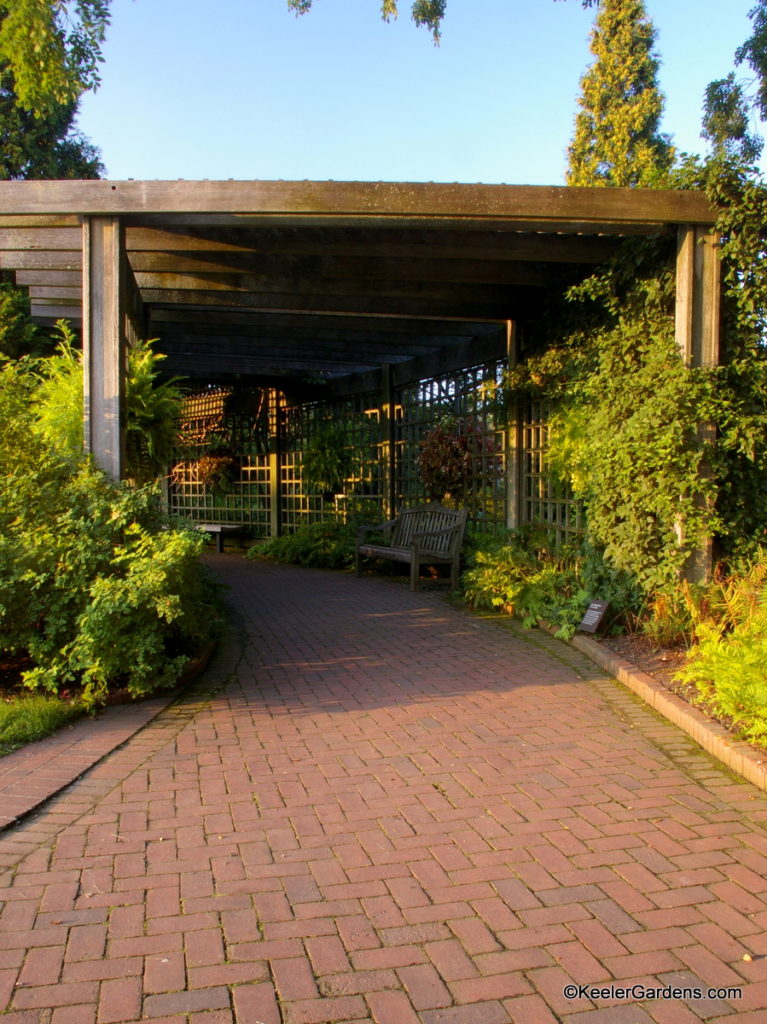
column 284, row 283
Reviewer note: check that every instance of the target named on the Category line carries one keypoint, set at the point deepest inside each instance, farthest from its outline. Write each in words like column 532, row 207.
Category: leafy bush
column 449, row 455
column 521, row 573
column 152, row 408
column 507, row 575
column 94, row 586
column 445, row 462
column 728, row 663
column 327, row 545
column 19, row 336
column 327, row 461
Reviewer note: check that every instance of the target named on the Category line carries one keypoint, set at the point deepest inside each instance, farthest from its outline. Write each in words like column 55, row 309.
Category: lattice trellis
column 263, row 438
column 224, row 428
column 472, row 401
column 359, row 417
column 546, row 501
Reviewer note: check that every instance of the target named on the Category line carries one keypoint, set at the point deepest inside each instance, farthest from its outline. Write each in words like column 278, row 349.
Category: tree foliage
column 727, row 120
column 425, row 13
column 52, row 49
column 731, row 103
column 617, row 138
column 45, row 146
column 754, row 53
column 49, row 55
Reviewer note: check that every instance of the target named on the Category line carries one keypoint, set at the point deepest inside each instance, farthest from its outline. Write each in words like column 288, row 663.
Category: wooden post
column 275, row 463
column 103, row 342
column 698, row 326
column 389, row 441
column 698, row 296
column 513, row 440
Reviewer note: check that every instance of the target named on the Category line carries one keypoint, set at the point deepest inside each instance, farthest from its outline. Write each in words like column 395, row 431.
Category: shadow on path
column 377, row 808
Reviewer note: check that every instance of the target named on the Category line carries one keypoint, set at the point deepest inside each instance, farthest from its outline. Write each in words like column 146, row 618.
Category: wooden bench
column 218, row 530
column 431, row 535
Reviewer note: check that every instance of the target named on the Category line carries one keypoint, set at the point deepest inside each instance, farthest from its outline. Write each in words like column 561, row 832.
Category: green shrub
column 327, row 461
column 728, row 662
column 94, row 586
column 521, row 573
column 327, row 545
column 152, row 408
column 509, row 576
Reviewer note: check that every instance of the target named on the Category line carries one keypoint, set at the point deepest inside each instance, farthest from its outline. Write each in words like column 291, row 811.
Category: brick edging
column 713, row 737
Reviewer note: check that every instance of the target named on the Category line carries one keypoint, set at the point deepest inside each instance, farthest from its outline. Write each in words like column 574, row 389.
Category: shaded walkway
column 388, row 811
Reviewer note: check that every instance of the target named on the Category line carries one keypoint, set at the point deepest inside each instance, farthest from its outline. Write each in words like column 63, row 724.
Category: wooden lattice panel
column 546, row 501
column 471, row 401
column 244, row 497
column 359, row 418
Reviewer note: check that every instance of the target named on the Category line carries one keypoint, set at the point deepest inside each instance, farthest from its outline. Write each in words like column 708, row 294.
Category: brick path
column 390, row 812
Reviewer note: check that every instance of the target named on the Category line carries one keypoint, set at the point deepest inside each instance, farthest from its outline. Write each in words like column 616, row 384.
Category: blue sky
column 244, row 89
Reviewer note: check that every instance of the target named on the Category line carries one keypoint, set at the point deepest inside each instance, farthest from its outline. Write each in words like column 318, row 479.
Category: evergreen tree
column 617, row 139
column 46, row 146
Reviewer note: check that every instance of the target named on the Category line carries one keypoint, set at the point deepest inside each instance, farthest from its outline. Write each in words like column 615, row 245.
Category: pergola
column 324, row 287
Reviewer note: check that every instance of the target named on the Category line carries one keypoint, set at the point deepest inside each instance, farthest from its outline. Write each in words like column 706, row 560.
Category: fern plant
column 152, row 406
column 327, row 461
column 728, row 663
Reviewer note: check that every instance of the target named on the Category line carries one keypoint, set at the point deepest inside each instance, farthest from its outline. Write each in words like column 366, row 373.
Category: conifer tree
column 617, row 139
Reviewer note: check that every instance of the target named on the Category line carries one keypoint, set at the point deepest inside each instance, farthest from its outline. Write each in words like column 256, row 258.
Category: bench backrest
column 423, row 520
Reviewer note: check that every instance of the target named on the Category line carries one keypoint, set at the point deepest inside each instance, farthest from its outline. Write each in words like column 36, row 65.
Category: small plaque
column 593, row 617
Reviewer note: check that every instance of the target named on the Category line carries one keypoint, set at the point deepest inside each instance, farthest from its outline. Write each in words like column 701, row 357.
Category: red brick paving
column 389, row 811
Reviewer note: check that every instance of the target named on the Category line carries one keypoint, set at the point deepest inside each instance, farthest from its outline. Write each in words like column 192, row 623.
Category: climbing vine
column 628, row 432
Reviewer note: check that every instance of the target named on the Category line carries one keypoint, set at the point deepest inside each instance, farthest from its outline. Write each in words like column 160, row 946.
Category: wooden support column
column 698, row 295
column 513, row 439
column 389, row 440
column 275, row 463
column 104, row 275
column 698, row 326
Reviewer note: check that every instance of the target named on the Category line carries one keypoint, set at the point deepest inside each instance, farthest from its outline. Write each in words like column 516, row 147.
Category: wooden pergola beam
column 551, row 205
column 383, row 242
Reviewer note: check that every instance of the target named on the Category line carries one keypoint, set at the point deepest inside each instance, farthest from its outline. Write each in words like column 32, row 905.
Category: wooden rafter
column 287, row 279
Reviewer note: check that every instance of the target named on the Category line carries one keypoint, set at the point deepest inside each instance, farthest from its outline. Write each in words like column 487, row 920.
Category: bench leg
column 220, row 543
column 454, row 575
column 414, row 574
column 357, row 565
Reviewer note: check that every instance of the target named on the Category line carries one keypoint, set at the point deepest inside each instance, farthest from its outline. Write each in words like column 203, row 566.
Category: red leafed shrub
column 446, row 460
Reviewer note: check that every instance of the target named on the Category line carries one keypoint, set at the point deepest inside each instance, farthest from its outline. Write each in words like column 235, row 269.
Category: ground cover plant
column 327, row 545
column 727, row 661
column 524, row 574
column 32, row 717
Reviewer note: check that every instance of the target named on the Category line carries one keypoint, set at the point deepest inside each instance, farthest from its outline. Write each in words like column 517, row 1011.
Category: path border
column 740, row 757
